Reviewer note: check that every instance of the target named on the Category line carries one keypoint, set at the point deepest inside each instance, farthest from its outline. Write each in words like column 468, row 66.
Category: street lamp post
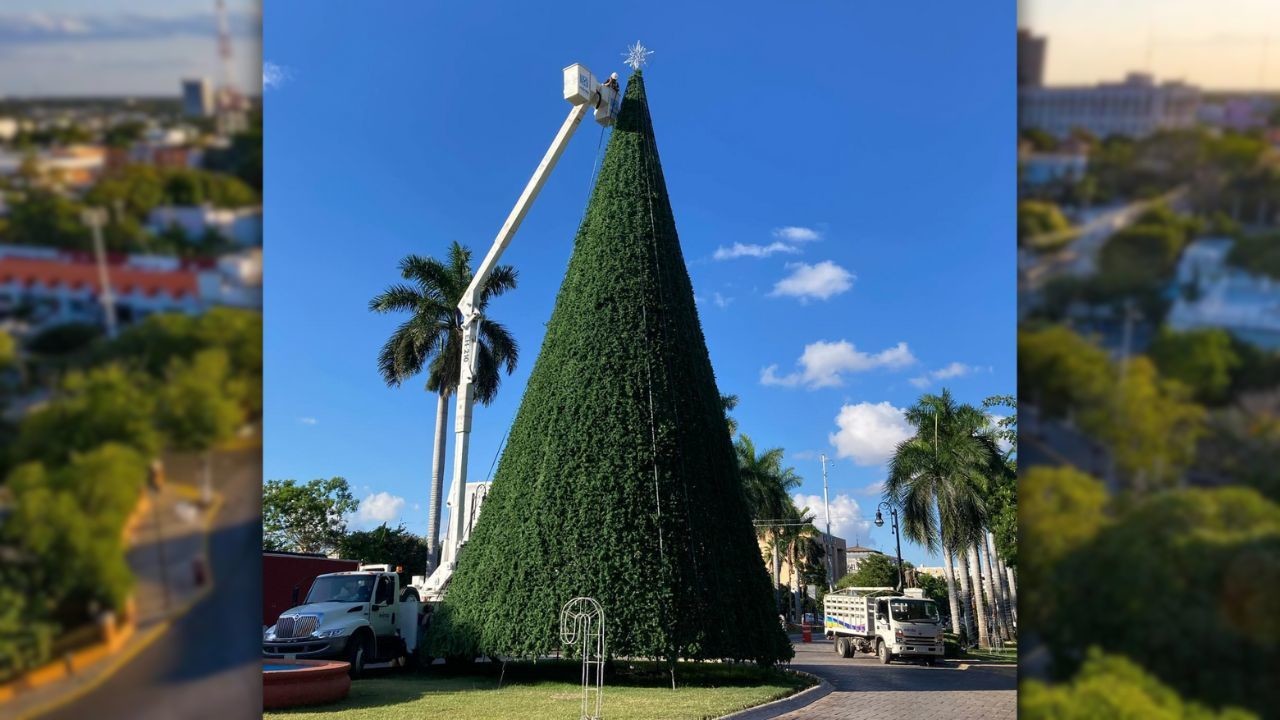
column 828, row 546
column 897, row 540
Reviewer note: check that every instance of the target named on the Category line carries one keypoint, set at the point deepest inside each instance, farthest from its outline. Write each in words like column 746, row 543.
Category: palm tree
column 430, row 340
column 730, row 402
column 799, row 540
column 937, row 477
column 767, row 486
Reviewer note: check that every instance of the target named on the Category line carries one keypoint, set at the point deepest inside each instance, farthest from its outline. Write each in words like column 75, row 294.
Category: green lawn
column 1008, row 654
column 549, row 691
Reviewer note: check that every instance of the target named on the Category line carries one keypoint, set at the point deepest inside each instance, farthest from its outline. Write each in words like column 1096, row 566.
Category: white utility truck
column 361, row 617
column 882, row 620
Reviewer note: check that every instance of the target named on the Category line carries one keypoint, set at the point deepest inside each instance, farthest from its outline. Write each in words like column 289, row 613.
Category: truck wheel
column 838, row 643
column 357, row 652
column 882, row 651
column 848, row 649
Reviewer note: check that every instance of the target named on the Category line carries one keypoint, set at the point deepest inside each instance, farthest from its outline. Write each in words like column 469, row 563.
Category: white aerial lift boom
column 585, row 93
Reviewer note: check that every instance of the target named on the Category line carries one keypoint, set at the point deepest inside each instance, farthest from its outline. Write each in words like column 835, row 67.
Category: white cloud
column 846, row 515
column 41, row 27
column 273, row 75
column 738, row 250
column 954, row 370
column 869, row 432
column 308, row 421
column 822, row 364
column 720, row 300
column 797, row 234
column 378, row 508
column 875, row 488
column 820, row 281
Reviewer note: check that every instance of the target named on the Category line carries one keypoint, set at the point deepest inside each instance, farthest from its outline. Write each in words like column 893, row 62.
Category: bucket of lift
column 582, row 88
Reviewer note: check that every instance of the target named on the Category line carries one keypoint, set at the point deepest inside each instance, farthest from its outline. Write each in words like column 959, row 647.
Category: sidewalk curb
column 152, row 634
column 786, row 704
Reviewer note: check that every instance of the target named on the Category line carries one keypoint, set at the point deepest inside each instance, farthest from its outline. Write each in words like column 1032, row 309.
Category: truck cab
column 907, row 626
column 361, row 617
column 883, row 621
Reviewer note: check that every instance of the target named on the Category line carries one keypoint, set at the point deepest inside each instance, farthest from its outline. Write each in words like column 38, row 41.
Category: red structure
column 286, row 578
column 290, row 683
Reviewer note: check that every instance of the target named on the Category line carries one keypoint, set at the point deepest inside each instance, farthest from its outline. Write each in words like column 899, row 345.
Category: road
column 1080, row 257
column 208, row 663
column 866, row 690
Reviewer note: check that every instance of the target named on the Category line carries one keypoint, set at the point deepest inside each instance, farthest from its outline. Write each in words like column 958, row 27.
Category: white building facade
column 1135, row 107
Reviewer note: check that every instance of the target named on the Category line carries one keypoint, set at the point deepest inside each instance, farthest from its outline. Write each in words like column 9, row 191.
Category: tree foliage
column 1060, row 510
column 1149, row 423
column 874, row 570
column 1112, row 686
column 431, row 338
column 1199, row 570
column 1203, row 360
column 766, row 482
column 199, row 404
column 1037, row 218
column 104, row 404
column 154, row 344
column 308, row 518
column 394, row 546
column 619, row 479
column 938, row 477
column 43, row 217
column 66, row 528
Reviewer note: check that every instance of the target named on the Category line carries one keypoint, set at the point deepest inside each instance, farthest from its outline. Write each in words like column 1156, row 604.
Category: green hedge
column 619, row 480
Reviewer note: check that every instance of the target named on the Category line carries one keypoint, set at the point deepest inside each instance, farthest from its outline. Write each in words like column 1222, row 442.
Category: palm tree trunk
column 995, row 580
column 996, row 607
column 437, row 482
column 995, row 625
column 948, row 574
column 966, row 600
column 1013, row 591
column 1010, row 610
column 979, row 609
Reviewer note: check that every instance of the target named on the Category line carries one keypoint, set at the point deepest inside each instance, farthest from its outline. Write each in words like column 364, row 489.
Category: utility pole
column 828, row 546
column 95, row 218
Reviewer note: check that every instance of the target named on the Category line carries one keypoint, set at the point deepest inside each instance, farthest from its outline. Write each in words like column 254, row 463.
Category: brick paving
column 867, row 690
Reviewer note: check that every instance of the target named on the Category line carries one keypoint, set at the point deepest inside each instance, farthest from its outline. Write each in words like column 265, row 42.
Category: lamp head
column 879, row 519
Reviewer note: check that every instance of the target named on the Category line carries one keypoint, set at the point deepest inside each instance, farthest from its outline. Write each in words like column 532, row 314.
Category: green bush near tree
column 619, row 480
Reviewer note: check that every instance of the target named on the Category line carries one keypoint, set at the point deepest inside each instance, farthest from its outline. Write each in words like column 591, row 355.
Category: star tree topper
column 637, row 55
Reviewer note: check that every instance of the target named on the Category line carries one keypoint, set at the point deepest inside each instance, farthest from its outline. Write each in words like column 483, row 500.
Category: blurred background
column 1149, row 379
column 130, row 358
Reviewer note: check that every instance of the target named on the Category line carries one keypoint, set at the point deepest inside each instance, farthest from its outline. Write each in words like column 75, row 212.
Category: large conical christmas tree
column 619, row 479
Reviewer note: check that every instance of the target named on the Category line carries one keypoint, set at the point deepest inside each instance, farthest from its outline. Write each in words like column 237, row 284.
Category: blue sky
column 859, row 154
column 121, row 47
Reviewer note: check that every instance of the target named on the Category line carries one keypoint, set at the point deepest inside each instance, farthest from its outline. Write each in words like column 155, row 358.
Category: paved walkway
column 866, row 690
